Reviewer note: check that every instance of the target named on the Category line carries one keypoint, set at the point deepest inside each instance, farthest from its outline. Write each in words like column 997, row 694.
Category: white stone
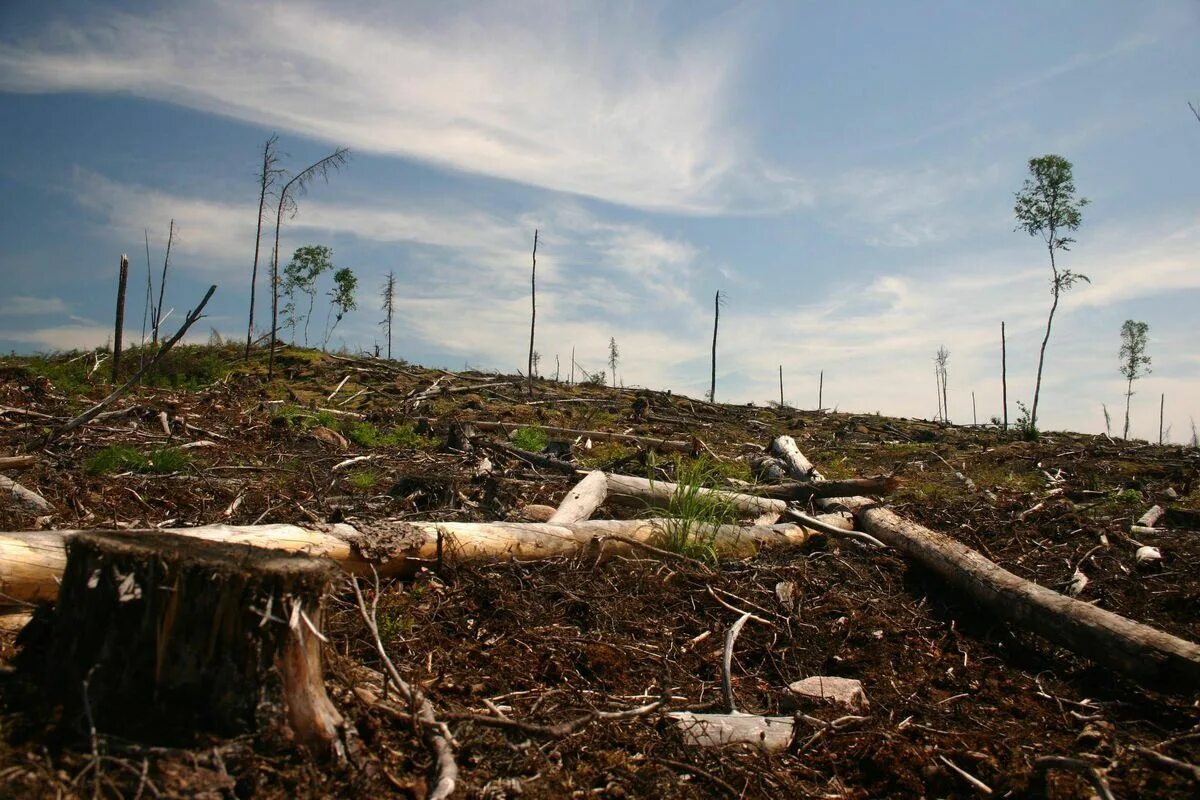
column 846, row 691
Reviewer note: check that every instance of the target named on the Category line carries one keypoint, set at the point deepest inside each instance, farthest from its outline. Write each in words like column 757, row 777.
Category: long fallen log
column 666, row 445
column 1138, row 651
column 658, row 493
column 32, row 562
column 848, row 487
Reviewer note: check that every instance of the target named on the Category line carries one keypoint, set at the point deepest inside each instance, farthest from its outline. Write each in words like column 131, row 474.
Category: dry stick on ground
column 91, row 413
column 17, row 462
column 820, row 525
column 727, row 660
column 1130, row 648
column 1183, row 767
column 438, row 739
column 1046, row 763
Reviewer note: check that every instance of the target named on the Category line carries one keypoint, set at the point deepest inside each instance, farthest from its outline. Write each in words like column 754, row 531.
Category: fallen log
column 583, row 500
column 17, row 462
column 849, row 487
column 32, row 562
column 658, row 494
column 666, row 445
column 30, row 500
column 1138, row 651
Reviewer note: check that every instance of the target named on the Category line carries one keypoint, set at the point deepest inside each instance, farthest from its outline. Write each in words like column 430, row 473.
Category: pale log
column 1138, row 651
column 583, row 500
column 17, row 462
column 32, row 562
column 849, row 487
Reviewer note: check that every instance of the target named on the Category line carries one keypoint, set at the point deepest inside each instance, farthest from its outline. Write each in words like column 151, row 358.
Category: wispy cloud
column 594, row 100
column 21, row 306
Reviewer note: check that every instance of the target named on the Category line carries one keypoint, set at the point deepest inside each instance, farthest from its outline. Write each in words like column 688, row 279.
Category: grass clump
column 119, row 458
column 693, row 514
column 531, row 438
column 365, row 434
column 363, row 479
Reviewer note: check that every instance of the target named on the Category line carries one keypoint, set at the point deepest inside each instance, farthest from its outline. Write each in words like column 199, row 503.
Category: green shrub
column 531, row 438
column 364, row 434
column 1024, row 424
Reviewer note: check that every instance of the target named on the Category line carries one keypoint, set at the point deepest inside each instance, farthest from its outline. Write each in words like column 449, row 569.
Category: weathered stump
column 160, row 637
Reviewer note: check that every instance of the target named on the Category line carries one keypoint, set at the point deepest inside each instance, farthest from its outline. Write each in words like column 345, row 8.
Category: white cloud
column 589, row 99
column 21, row 306
column 61, row 337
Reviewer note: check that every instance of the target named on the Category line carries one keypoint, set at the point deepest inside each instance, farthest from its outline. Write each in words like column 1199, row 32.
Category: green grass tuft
column 531, row 438
column 363, row 479
column 119, row 458
column 692, row 514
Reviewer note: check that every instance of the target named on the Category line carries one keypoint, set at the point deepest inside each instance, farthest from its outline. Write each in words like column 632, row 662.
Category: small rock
column 1147, row 557
column 846, row 691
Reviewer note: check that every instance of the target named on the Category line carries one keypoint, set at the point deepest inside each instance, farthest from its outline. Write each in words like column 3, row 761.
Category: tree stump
column 160, row 637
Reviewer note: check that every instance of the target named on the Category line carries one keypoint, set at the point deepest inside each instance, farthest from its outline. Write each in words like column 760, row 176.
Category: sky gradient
column 842, row 172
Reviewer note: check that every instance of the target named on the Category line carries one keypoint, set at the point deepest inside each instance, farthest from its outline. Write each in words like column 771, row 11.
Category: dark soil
column 950, row 687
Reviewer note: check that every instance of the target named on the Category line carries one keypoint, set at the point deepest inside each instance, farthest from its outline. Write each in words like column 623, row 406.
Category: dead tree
column 532, row 310
column 389, row 307
column 120, row 322
column 160, row 637
column 712, row 388
column 296, row 186
column 266, row 181
column 162, row 284
column 1004, row 373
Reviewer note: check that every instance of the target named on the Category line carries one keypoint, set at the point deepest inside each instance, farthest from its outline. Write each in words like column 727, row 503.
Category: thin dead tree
column 389, row 307
column 162, row 285
column 942, row 359
column 120, row 321
column 95, row 410
column 712, row 389
column 781, row 386
column 532, row 310
column 267, row 176
column 148, row 308
column 821, row 391
column 1004, row 373
column 295, row 187
column 613, row 356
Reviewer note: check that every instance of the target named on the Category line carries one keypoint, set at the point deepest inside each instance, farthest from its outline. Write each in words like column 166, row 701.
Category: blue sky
column 842, row 172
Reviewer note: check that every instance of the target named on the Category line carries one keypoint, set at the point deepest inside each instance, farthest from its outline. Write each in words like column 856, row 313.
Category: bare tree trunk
column 120, row 323
column 265, row 179
column 781, row 386
column 1162, row 404
column 821, row 391
column 1004, row 373
column 1037, row 387
column 712, row 391
column 1128, row 399
column 162, row 284
column 937, row 390
column 532, row 310
column 148, row 308
column 974, row 416
column 572, row 365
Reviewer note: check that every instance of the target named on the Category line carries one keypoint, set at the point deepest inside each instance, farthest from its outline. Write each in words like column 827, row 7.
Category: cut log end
column 160, row 637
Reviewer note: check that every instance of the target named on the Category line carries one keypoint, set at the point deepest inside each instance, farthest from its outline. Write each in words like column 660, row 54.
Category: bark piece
column 769, row 734
column 159, row 637
column 844, row 691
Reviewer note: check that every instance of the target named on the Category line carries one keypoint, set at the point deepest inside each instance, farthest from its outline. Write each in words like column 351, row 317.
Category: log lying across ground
column 31, row 563
column 665, row 445
column 1139, row 651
